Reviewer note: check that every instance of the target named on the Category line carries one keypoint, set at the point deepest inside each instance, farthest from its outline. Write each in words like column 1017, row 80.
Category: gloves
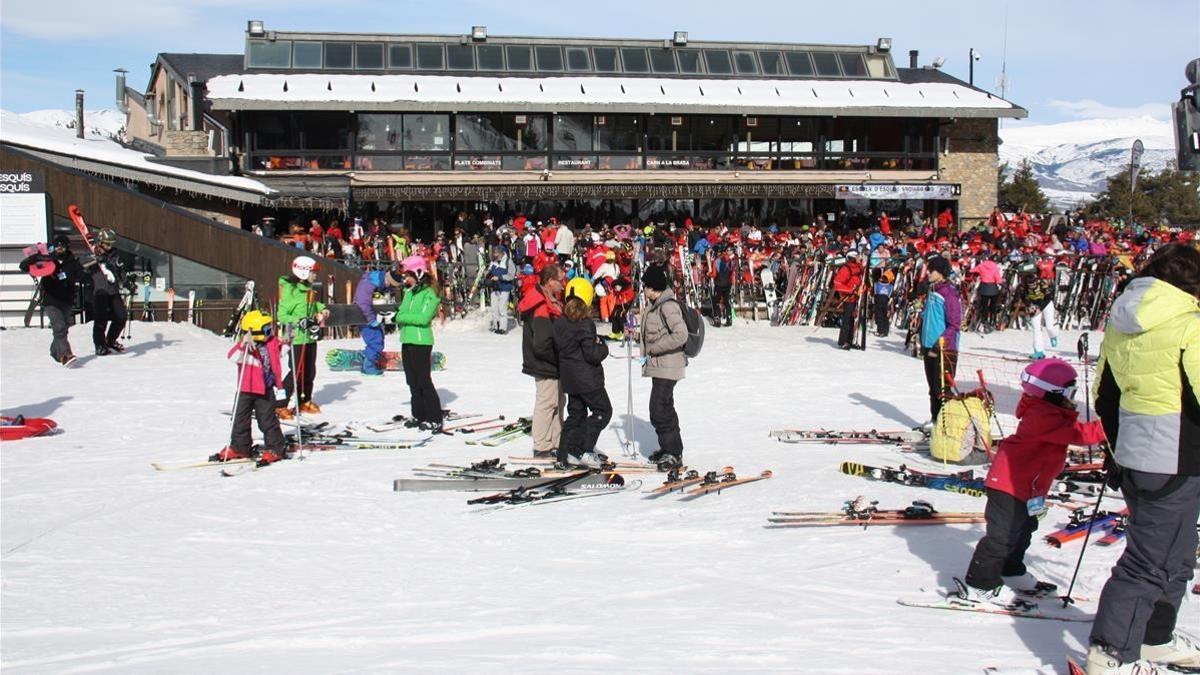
column 642, row 360
column 375, row 323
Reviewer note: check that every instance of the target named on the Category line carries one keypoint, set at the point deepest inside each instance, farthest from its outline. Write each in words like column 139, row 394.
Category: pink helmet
column 1046, row 376
column 414, row 264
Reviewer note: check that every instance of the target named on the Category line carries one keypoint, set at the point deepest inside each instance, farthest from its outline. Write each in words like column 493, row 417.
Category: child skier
column 1025, row 467
column 883, row 296
column 580, row 355
column 258, row 388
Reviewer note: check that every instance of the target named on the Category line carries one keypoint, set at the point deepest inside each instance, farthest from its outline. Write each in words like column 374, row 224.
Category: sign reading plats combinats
column 898, row 191
column 22, row 208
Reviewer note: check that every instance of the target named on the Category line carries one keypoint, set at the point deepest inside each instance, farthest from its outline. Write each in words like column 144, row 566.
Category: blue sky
column 1065, row 59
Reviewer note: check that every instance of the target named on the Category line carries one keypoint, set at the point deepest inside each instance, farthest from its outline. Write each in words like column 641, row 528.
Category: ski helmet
column 106, row 237
column 1049, row 376
column 257, row 324
column 303, row 267
column 414, row 265
column 580, row 288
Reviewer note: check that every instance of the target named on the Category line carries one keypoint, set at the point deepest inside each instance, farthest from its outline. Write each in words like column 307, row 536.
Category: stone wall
column 972, row 161
column 186, row 142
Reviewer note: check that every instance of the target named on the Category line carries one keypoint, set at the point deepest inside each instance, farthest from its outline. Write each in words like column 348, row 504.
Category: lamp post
column 972, row 57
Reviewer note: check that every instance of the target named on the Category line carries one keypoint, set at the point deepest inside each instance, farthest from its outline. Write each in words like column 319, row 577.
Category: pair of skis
column 693, row 484
column 1081, row 522
column 960, row 483
column 862, row 513
column 505, row 433
column 849, row 437
column 581, row 485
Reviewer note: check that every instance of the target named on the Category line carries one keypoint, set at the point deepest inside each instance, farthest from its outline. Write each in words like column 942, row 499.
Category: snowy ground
column 318, row 566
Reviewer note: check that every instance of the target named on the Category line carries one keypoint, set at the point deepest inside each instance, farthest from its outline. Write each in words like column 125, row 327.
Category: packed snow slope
column 318, row 566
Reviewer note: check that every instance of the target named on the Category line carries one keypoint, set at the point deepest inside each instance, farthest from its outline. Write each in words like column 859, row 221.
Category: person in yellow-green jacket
column 1148, row 398
column 298, row 309
column 414, row 316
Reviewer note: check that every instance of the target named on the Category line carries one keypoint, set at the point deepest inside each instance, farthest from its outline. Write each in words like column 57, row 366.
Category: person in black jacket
column 108, row 310
column 581, row 354
column 58, row 296
column 539, row 307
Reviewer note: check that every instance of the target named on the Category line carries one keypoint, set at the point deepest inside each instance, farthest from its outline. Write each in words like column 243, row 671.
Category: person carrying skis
column 1147, row 387
column 664, row 334
column 883, row 296
column 258, row 389
column 58, row 296
column 371, row 283
column 940, row 320
column 415, row 317
column 108, row 310
column 299, row 312
column 540, row 305
column 581, row 355
column 1024, row 470
column 500, row 276
column 1036, row 296
column 847, row 284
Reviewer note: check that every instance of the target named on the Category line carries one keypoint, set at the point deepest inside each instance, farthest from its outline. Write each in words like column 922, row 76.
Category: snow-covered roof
column 604, row 95
column 102, row 155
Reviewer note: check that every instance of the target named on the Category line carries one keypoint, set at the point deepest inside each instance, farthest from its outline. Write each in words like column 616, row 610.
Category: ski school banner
column 897, row 191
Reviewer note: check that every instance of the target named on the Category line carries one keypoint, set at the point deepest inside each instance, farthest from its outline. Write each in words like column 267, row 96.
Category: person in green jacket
column 298, row 308
column 414, row 316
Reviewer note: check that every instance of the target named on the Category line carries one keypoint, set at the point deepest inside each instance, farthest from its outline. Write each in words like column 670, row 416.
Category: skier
column 564, row 242
column 990, row 278
column 540, row 305
column 108, row 310
column 940, row 321
column 415, row 318
column 1023, row 471
column 368, row 286
column 722, row 285
column 1037, row 297
column 58, row 296
column 1146, row 389
column 299, row 311
column 258, row 388
column 664, row 334
column 500, row 276
column 581, row 354
column 847, row 284
column 883, row 296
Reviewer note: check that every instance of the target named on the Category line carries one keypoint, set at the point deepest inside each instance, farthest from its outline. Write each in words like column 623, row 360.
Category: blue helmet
column 527, row 269
column 377, row 278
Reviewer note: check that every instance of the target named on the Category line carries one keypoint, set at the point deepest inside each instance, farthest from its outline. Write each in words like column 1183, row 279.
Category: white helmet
column 303, row 267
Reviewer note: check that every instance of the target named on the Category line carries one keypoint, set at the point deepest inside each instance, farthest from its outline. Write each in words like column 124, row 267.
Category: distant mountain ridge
column 106, row 123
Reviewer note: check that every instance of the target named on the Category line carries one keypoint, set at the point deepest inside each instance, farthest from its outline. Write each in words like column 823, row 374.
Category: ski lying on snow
column 549, row 461
column 581, row 492
column 726, row 481
column 961, row 483
column 679, row 481
column 476, row 484
column 864, row 436
column 197, row 465
column 941, row 602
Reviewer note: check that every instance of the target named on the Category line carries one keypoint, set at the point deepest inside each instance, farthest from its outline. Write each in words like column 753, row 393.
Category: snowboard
column 16, row 428
column 340, row 360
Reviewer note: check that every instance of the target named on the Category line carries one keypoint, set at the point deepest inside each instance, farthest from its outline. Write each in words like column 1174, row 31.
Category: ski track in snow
column 317, row 566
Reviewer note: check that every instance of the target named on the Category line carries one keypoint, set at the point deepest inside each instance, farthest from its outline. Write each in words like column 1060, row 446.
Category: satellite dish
column 939, row 62
column 1192, row 71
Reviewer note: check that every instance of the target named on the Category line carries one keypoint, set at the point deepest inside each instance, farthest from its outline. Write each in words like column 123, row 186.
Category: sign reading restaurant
column 898, row 191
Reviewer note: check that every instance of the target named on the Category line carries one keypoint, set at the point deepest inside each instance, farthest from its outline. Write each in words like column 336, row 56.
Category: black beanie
column 939, row 264
column 654, row 277
column 62, row 239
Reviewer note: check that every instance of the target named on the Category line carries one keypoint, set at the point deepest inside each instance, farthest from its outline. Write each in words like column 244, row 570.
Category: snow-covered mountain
column 1073, row 160
column 105, row 123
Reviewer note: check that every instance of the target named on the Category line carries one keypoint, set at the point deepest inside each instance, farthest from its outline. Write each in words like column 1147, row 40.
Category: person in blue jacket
column 372, row 282
column 940, row 321
column 500, row 276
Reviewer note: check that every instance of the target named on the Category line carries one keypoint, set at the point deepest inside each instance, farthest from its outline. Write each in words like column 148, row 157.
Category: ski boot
column 116, row 346
column 285, row 413
column 265, row 456
column 68, row 360
column 1000, row 596
column 103, row 351
column 667, row 462
column 310, row 408
column 227, row 453
column 1027, row 584
column 1053, row 342
column 1036, row 356
column 589, row 460
column 1100, row 662
column 431, row 427
column 1180, row 653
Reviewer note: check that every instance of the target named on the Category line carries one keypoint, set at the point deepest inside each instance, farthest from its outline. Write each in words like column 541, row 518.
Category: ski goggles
column 1067, row 391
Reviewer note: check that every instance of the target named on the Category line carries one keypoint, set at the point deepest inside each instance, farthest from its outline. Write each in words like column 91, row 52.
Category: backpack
column 695, row 327
column 962, row 432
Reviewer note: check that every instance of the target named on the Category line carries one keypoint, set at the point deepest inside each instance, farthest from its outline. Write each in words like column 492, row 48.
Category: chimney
column 912, row 58
column 122, row 104
column 79, row 113
column 197, row 96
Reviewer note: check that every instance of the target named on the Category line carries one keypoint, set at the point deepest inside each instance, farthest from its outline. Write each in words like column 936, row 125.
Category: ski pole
column 237, row 393
column 1082, row 347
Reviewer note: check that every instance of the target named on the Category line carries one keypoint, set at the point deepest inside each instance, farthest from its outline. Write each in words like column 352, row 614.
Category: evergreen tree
column 1170, row 195
column 1023, row 191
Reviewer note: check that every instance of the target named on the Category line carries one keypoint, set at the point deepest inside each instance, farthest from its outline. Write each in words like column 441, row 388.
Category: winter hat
column 303, row 267
column 62, row 240
column 655, row 278
column 940, row 265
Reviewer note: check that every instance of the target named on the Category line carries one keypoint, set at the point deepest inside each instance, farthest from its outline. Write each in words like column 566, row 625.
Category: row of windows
column 429, row 56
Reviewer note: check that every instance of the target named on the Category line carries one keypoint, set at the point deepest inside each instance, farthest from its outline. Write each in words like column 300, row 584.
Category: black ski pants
column 418, row 364
column 663, row 416
column 846, row 335
column 987, row 309
column 108, row 318
column 263, row 409
column 1141, row 599
column 587, row 415
column 618, row 317
column 937, row 368
column 1001, row 552
column 304, row 364
column 59, row 316
column 722, row 310
column 882, row 324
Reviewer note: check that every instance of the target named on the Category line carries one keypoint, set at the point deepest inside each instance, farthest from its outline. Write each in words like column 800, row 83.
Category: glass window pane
column 460, row 57
column 480, row 131
column 605, row 59
column 852, row 65
column 712, row 133
column 339, row 55
column 745, row 62
column 577, row 59
column 426, row 132
column 572, row 133
column 549, row 58
column 519, row 58
column 378, row 131
column 827, row 64
column 430, row 57
column 264, row 54
column 324, row 130
column 662, row 61
column 617, row 132
column 400, row 56
column 368, row 55
column 668, row 133
column 717, row 61
column 689, row 61
column 772, row 63
column 490, row 57
column 799, row 64
column 635, row 60
column 307, row 55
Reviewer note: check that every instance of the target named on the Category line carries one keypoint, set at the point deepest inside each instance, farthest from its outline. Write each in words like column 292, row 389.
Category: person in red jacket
column 847, row 284
column 1023, row 471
